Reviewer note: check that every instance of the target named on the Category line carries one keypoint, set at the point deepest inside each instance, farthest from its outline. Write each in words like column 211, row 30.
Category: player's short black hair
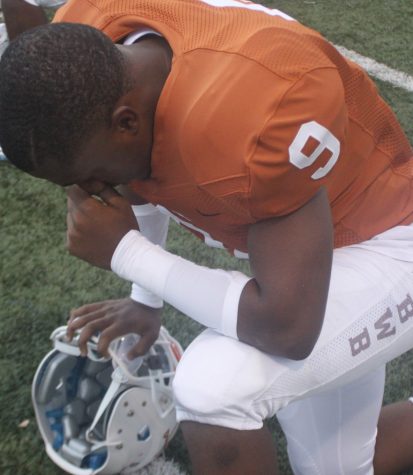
column 58, row 84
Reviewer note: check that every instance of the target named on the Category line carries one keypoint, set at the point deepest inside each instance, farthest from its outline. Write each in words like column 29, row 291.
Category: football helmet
column 102, row 415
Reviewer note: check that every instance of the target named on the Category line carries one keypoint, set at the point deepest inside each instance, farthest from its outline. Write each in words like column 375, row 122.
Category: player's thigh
column 335, row 432
column 368, row 321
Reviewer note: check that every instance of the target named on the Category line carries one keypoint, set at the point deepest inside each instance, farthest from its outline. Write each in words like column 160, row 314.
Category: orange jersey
column 257, row 113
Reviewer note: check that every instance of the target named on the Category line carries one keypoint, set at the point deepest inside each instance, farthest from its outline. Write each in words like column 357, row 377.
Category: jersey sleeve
column 300, row 146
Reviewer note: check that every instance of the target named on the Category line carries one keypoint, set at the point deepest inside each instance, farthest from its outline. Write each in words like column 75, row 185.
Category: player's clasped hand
column 112, row 319
column 95, row 227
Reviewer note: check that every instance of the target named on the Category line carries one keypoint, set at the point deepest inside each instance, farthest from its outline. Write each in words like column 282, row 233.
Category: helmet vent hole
column 144, row 434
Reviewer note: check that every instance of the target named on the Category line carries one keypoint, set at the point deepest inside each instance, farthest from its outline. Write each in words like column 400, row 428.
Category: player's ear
column 125, row 120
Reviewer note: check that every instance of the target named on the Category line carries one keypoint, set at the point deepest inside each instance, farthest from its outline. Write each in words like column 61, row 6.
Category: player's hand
column 113, row 319
column 94, row 228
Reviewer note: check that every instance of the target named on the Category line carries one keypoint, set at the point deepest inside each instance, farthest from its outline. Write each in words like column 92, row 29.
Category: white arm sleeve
column 209, row 296
column 154, row 226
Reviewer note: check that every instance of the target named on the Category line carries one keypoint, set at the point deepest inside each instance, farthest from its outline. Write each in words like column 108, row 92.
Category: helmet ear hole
column 144, row 433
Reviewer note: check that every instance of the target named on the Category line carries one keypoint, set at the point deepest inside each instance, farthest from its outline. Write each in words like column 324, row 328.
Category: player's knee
column 195, row 394
column 223, row 390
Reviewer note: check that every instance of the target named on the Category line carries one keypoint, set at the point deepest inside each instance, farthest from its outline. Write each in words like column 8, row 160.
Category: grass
column 40, row 282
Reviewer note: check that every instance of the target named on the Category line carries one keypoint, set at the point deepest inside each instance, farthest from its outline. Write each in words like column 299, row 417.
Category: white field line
column 379, row 70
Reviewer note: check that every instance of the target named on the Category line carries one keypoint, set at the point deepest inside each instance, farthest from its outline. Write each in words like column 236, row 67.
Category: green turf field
column 40, row 282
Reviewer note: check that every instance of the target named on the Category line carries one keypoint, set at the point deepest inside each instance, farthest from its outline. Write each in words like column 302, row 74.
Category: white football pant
column 334, row 395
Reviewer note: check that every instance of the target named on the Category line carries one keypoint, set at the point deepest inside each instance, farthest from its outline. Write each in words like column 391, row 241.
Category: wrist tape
column 209, row 296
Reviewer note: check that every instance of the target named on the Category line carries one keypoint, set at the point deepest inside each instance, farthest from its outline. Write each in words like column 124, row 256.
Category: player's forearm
column 209, row 296
column 20, row 16
column 217, row 299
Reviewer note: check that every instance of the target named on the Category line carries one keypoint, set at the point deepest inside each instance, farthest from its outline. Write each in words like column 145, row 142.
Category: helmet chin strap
column 118, row 378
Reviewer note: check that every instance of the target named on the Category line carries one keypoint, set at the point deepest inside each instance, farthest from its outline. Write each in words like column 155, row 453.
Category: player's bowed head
column 75, row 107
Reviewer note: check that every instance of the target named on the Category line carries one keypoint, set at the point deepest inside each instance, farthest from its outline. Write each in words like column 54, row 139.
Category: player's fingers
column 76, row 323
column 76, row 196
column 81, row 203
column 88, row 308
column 111, row 197
column 80, row 322
column 70, row 332
column 108, row 335
column 72, row 327
column 89, row 330
column 80, row 316
column 143, row 345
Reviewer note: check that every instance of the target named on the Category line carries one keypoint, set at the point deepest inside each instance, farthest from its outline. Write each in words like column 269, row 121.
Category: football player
column 254, row 133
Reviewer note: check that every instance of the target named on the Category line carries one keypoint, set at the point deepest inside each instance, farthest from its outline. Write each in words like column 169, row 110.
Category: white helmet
column 103, row 415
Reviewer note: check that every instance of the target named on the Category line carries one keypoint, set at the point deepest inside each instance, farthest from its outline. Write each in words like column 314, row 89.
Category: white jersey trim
column 139, row 33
